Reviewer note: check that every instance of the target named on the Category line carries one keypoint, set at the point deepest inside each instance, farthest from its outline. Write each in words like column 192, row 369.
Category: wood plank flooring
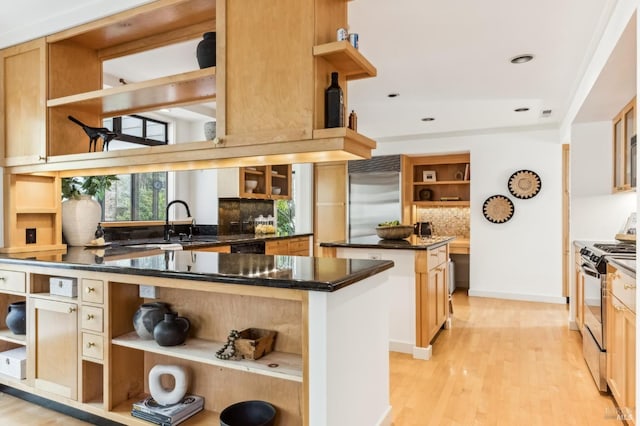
column 502, row 363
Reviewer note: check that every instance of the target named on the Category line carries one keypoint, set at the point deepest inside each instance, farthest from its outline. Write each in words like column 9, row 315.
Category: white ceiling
column 446, row 59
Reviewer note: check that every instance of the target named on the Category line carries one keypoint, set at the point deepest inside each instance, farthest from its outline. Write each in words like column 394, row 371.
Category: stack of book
column 167, row 415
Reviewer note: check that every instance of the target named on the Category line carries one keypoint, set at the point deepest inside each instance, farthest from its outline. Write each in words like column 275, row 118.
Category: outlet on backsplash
column 447, row 220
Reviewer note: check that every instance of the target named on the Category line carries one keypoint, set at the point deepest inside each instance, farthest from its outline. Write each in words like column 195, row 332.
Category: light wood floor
column 502, row 363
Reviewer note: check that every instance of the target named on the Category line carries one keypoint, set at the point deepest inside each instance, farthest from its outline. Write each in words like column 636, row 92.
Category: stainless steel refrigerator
column 374, row 194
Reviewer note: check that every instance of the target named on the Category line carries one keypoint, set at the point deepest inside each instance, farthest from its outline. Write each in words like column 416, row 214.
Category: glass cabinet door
column 618, row 170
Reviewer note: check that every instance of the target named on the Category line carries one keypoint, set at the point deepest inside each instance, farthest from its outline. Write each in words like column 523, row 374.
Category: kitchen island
column 323, row 370
column 417, row 286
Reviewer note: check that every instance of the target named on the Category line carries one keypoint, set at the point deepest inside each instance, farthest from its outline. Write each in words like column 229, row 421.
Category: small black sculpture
column 96, row 133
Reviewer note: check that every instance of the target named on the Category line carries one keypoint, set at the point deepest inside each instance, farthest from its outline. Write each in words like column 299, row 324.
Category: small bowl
column 397, row 232
column 250, row 185
column 248, row 413
column 275, row 190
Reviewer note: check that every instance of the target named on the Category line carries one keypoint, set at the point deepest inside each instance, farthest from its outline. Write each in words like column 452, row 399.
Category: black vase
column 147, row 316
column 206, row 50
column 172, row 330
column 17, row 317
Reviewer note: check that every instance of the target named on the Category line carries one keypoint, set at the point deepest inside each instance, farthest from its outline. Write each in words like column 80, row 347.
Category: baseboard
column 573, row 325
column 422, row 353
column 402, row 347
column 518, row 296
column 386, row 419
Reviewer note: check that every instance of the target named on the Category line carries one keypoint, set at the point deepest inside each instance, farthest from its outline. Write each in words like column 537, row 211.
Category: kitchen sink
column 161, row 246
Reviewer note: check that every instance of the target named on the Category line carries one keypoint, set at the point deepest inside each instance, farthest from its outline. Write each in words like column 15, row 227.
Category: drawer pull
column 90, row 345
column 618, row 308
column 72, row 310
column 90, row 316
column 629, row 286
column 90, row 289
column 60, row 284
column 2, row 278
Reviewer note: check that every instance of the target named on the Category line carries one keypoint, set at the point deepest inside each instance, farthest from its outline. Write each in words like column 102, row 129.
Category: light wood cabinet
column 297, row 246
column 330, row 203
column 624, row 132
column 579, row 279
column 272, row 182
column 440, row 181
column 621, row 340
column 432, row 293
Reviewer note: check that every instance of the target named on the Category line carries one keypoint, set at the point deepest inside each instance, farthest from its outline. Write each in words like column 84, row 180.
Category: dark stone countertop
column 373, row 242
column 293, row 272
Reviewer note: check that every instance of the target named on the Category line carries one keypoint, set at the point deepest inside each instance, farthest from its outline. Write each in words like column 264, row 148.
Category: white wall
column 522, row 258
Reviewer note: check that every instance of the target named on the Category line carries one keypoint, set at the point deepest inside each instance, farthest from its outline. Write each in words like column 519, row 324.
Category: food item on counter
column 265, row 229
column 97, row 242
column 390, row 223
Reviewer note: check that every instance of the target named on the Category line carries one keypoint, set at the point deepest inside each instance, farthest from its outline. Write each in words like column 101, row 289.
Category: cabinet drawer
column 92, row 318
column 13, row 281
column 92, row 346
column 92, row 291
column 437, row 256
column 624, row 288
column 298, row 245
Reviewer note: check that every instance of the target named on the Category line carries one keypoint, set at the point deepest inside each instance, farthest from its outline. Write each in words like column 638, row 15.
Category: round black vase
column 172, row 330
column 206, row 50
column 17, row 317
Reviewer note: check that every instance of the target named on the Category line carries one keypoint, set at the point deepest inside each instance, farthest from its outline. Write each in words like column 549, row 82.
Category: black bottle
column 333, row 104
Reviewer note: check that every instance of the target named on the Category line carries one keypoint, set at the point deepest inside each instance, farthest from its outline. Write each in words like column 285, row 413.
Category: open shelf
column 123, row 414
column 8, row 336
column 289, row 365
column 346, row 59
column 442, row 203
column 189, row 87
column 443, row 182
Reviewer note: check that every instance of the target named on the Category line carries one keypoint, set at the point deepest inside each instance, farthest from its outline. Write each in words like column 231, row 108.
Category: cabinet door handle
column 618, row 308
column 629, row 286
column 3, row 278
column 90, row 345
column 42, row 158
column 90, row 316
column 90, row 289
column 72, row 310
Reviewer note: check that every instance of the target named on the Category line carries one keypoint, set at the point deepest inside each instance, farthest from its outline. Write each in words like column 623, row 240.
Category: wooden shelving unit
column 8, row 336
column 346, row 59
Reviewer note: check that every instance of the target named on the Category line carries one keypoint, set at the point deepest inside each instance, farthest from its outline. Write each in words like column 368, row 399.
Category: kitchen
column 535, row 221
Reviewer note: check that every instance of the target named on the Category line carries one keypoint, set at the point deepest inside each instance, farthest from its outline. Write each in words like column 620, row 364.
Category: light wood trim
column 566, row 198
column 305, row 358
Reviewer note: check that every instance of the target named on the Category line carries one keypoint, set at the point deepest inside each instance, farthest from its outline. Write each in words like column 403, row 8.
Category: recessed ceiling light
column 393, row 95
column 427, row 119
column 521, row 59
column 523, row 109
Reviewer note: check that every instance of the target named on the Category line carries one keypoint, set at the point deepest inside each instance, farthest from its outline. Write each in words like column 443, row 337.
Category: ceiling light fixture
column 393, row 95
column 521, row 59
column 523, row 109
column 427, row 119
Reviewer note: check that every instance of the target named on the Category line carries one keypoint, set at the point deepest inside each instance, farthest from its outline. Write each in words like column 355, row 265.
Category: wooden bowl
column 398, row 232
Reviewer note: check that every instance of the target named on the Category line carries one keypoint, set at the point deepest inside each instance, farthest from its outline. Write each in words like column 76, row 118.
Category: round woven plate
column 497, row 209
column 524, row 184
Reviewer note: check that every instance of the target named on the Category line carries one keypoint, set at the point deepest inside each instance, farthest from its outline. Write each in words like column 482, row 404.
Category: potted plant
column 81, row 213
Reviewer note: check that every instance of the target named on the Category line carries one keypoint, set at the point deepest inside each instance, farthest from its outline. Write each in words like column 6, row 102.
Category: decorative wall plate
column 425, row 194
column 497, row 209
column 524, row 184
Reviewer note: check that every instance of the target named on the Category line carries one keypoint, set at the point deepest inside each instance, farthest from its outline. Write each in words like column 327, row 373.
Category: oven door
column 593, row 306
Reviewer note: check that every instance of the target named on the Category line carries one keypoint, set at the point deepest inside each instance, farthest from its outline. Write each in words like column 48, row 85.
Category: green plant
column 95, row 186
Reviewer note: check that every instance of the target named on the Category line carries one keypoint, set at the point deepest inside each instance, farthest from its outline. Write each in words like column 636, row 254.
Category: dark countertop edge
column 212, row 240
column 346, row 244
column 623, row 266
column 217, row 278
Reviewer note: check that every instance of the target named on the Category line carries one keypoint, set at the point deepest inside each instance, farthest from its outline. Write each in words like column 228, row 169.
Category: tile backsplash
column 447, row 220
column 236, row 215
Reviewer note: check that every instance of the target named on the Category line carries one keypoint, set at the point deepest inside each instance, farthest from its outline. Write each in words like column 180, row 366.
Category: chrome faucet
column 168, row 229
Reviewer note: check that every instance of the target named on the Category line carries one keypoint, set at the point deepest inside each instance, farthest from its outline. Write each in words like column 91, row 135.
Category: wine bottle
column 333, row 104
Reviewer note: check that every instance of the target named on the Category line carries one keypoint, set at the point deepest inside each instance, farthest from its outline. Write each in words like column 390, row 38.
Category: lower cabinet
column 621, row 341
column 53, row 326
column 297, row 246
column 579, row 292
column 432, row 293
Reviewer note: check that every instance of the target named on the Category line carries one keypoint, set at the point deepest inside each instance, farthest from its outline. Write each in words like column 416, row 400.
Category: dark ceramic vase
column 172, row 330
column 147, row 316
column 206, row 50
column 17, row 317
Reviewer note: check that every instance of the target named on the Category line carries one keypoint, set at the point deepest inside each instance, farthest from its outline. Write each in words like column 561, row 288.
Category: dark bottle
column 333, row 104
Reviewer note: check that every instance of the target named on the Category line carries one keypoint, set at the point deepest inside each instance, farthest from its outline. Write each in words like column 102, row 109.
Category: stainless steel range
column 594, row 338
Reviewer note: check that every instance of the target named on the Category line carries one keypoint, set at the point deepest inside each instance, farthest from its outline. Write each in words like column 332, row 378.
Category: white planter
column 80, row 219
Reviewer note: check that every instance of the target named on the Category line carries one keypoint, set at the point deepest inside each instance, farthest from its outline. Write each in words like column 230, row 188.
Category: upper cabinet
column 440, row 181
column 264, row 182
column 268, row 87
column 624, row 148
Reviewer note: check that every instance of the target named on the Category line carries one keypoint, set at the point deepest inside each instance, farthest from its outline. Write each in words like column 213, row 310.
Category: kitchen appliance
column 374, row 194
column 251, row 247
column 594, row 269
column 423, row 229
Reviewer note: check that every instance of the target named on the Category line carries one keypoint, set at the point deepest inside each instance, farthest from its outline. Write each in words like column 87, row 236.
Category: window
column 285, row 212
column 138, row 129
column 141, row 196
